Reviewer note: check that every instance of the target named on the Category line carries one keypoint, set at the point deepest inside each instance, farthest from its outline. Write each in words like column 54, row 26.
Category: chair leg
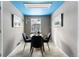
column 42, row 51
column 48, row 46
column 24, row 47
column 30, row 48
column 43, row 48
column 31, row 51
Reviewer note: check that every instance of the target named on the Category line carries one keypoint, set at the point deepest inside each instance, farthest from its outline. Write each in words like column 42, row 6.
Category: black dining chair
column 25, row 39
column 36, row 42
column 47, row 39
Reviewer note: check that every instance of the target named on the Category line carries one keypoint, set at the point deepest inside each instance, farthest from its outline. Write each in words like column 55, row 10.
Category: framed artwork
column 58, row 20
column 35, row 24
column 16, row 21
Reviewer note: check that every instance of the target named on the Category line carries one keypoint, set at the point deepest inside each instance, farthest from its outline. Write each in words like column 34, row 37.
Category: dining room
column 39, row 29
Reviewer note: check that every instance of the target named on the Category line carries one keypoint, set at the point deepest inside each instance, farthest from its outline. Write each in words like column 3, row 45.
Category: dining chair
column 47, row 39
column 25, row 39
column 36, row 42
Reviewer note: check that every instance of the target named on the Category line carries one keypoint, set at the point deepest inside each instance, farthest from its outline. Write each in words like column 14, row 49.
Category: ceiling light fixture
column 48, row 5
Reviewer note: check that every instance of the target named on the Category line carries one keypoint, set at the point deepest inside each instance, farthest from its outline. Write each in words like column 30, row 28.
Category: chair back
column 24, row 37
column 36, row 41
column 49, row 35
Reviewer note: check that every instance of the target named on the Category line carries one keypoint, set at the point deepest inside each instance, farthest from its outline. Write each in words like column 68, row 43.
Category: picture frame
column 58, row 20
column 16, row 21
column 35, row 24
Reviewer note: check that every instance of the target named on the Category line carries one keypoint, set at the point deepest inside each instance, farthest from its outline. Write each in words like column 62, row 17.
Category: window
column 35, row 25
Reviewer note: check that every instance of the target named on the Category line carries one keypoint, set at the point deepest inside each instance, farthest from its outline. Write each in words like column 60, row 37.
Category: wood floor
column 54, row 51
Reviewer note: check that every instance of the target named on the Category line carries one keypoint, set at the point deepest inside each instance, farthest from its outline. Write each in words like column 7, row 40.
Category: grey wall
column 0, row 29
column 66, row 37
column 11, row 36
column 78, row 31
column 45, row 24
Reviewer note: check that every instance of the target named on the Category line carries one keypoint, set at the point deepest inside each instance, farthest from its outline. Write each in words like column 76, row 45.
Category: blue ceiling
column 37, row 11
